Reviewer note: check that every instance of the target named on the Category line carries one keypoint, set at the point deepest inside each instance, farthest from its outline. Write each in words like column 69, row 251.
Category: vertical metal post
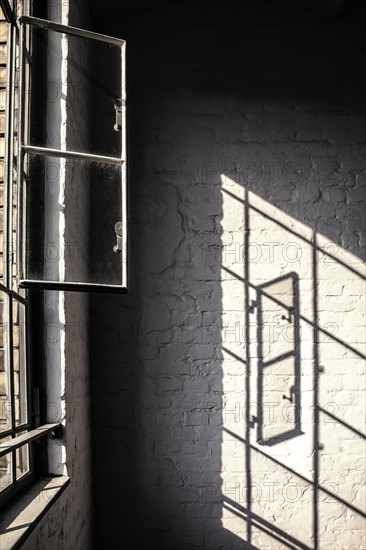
column 20, row 167
column 8, row 156
column 7, row 228
column 124, row 167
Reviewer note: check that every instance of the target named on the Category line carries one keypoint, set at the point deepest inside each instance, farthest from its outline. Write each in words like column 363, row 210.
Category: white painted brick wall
column 233, row 106
column 246, row 150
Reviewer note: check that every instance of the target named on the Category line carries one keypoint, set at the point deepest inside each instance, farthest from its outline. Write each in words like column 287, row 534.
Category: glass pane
column 19, row 358
column 6, row 468
column 80, row 81
column 5, row 392
column 22, row 460
column 72, row 208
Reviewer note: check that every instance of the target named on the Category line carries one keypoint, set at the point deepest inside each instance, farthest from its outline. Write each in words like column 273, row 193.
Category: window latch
column 118, row 230
column 118, row 108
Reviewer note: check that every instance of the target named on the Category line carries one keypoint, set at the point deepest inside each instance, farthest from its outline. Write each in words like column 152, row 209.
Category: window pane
column 19, row 358
column 5, row 392
column 73, row 206
column 6, row 468
column 22, row 460
column 79, row 80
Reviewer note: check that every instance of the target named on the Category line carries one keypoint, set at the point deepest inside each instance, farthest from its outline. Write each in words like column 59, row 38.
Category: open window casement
column 71, row 165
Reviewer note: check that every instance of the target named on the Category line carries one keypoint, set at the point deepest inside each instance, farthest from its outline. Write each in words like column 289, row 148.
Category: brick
column 3, row 54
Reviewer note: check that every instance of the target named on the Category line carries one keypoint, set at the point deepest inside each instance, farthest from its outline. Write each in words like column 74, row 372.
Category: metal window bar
column 24, row 148
column 70, row 155
column 72, row 31
column 24, row 439
column 12, row 293
column 8, row 12
column 15, row 430
column 20, row 159
column 82, row 287
column 12, row 382
column 8, row 245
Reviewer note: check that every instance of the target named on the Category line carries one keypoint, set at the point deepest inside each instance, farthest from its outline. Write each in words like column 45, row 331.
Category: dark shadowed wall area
column 226, row 386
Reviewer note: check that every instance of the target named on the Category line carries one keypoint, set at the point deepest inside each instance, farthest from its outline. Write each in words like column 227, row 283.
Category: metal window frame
column 6, row 287
column 17, row 34
column 23, row 149
column 8, row 12
column 24, row 439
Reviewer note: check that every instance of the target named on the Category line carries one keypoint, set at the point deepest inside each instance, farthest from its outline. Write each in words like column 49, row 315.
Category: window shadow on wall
column 206, row 435
column 275, row 475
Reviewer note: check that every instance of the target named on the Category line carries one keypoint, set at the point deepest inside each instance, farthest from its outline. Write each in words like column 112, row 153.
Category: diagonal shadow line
column 278, row 358
column 298, row 235
column 329, row 493
column 348, row 426
column 281, row 357
column 233, row 355
column 272, row 282
column 329, row 334
column 12, row 529
column 271, row 297
column 263, row 524
column 259, row 526
column 315, row 325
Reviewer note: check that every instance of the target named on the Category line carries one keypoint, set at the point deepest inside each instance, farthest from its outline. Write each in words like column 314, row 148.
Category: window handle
column 118, row 108
column 118, row 230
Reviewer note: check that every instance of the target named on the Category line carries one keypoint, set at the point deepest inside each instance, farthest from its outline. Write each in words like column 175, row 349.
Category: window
column 63, row 197
column 15, row 463
column 72, row 179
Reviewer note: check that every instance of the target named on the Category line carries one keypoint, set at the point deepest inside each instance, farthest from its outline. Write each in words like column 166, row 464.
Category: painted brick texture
column 228, row 404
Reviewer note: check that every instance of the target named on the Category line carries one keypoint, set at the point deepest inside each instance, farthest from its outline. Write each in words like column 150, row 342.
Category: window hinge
column 118, row 108
column 57, row 433
column 118, row 230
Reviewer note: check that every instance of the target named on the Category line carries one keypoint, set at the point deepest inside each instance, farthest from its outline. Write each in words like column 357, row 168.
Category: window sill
column 21, row 516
